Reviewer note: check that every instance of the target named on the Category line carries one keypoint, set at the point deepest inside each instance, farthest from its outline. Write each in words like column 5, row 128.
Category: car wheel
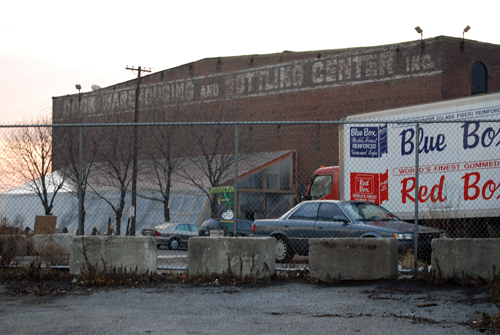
column 174, row 244
column 283, row 252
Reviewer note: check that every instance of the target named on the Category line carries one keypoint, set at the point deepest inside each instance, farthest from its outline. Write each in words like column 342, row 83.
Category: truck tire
column 283, row 251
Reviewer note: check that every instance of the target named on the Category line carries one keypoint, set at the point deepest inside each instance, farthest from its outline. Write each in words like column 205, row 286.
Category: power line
column 106, row 77
column 20, row 112
column 34, row 109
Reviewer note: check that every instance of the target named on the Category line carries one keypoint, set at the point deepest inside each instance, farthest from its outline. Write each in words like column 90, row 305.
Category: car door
column 183, row 232
column 299, row 226
column 332, row 222
column 193, row 229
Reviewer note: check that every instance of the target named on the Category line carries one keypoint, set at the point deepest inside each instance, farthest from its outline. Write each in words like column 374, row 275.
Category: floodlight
column 462, row 43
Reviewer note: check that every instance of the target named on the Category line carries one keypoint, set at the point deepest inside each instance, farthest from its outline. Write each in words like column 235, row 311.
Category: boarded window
column 478, row 78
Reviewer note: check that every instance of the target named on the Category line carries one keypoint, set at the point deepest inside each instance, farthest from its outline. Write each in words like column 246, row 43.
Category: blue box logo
column 368, row 142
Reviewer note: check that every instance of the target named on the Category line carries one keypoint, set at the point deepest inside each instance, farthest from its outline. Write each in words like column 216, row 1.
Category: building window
column 269, row 192
column 478, row 78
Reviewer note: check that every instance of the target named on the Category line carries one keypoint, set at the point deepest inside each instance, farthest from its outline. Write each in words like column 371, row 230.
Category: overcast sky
column 46, row 47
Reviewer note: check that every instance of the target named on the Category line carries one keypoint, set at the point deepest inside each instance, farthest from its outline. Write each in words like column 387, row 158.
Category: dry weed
column 407, row 261
column 50, row 253
column 12, row 243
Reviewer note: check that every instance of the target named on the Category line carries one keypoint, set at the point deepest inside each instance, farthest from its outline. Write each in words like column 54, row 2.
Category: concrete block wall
column 353, row 258
column 58, row 243
column 456, row 258
column 130, row 252
column 242, row 256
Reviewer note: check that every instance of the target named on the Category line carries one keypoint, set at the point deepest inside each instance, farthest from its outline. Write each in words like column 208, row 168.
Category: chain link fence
column 174, row 181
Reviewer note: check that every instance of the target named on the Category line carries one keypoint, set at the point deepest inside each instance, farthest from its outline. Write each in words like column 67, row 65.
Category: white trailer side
column 459, row 161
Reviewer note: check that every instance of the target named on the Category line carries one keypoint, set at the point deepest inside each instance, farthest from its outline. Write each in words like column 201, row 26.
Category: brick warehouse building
column 300, row 86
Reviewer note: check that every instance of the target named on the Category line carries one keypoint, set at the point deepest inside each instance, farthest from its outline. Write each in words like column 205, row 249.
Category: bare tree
column 114, row 172
column 213, row 148
column 69, row 141
column 164, row 154
column 5, row 182
column 30, row 159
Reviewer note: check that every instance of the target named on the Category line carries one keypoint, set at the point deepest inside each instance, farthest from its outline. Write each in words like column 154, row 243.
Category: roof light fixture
column 462, row 43
column 421, row 32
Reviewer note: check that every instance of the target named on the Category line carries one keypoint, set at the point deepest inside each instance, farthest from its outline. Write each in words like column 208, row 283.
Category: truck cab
column 324, row 184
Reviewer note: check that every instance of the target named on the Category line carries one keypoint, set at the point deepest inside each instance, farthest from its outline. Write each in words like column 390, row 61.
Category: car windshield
column 321, row 186
column 363, row 211
column 187, row 227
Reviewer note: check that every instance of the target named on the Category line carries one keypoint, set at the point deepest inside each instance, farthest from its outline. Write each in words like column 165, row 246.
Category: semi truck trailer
column 458, row 163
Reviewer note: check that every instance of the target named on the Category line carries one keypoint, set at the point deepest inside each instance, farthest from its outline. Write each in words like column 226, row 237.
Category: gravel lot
column 282, row 306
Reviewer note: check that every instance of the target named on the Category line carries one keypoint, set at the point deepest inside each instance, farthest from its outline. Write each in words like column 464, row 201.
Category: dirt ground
column 60, row 284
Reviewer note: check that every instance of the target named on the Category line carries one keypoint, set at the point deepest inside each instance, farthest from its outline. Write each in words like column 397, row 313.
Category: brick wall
column 314, row 85
column 457, row 66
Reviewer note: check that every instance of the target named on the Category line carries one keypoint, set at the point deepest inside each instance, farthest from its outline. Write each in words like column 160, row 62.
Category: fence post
column 417, row 172
column 81, row 228
column 235, row 198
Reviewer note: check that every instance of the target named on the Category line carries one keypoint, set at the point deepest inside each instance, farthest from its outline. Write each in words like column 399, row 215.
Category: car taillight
column 253, row 227
column 157, row 233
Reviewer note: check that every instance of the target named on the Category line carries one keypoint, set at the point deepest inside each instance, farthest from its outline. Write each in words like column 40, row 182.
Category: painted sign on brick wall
column 330, row 70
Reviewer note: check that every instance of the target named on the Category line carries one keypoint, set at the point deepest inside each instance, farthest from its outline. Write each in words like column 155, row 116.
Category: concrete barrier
column 353, row 258
column 50, row 243
column 240, row 256
column 130, row 252
column 14, row 245
column 456, row 258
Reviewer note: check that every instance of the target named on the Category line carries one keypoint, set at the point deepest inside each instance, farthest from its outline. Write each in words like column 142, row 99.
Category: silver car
column 172, row 235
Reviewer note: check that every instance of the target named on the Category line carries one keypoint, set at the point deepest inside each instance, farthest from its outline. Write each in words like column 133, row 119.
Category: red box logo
column 373, row 187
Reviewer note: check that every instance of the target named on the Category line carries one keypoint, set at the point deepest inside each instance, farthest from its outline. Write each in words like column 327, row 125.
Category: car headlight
column 403, row 236
column 203, row 232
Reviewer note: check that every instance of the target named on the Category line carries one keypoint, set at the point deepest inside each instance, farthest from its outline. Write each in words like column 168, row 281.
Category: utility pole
column 134, row 158
column 81, row 228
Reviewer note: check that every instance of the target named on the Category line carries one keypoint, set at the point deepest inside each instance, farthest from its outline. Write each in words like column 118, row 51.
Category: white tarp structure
column 187, row 202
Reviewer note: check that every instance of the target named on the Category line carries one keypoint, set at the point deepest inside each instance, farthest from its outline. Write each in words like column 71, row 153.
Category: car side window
column 328, row 211
column 182, row 227
column 308, row 211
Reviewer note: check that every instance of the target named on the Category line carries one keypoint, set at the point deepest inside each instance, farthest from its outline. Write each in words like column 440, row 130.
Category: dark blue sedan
column 335, row 219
